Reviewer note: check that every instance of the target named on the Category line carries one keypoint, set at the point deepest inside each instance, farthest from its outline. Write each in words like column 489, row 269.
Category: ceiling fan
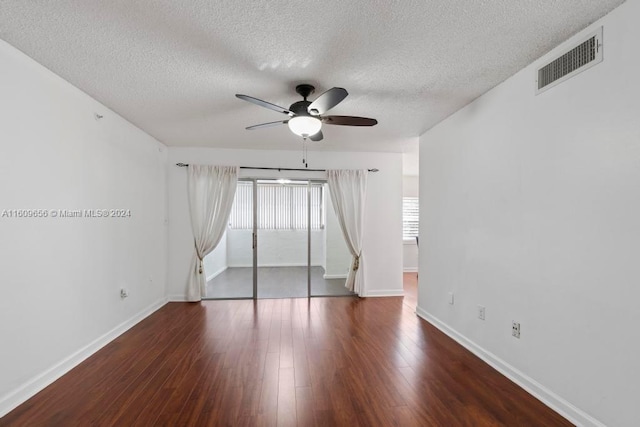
column 306, row 117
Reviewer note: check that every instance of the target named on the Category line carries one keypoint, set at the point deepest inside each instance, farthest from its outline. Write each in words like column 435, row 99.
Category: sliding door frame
column 322, row 183
column 308, row 239
column 310, row 182
column 254, row 238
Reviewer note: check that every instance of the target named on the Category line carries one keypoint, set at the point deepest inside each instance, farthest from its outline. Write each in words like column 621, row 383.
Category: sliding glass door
column 229, row 268
column 283, row 241
column 282, row 238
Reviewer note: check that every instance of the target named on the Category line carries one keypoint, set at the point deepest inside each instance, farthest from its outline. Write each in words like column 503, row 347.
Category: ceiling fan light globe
column 304, row 126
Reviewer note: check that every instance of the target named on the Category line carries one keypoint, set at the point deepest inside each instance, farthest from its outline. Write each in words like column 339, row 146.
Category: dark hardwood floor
column 323, row 361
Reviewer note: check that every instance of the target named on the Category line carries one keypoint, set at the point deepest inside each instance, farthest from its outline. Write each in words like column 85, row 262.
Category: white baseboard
column 20, row 395
column 178, row 298
column 334, row 276
column 546, row 396
column 410, row 270
column 385, row 293
column 211, row 276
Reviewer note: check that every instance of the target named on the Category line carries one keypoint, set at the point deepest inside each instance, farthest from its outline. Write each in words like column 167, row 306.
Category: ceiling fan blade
column 349, row 121
column 317, row 137
column 327, row 100
column 264, row 104
column 268, row 125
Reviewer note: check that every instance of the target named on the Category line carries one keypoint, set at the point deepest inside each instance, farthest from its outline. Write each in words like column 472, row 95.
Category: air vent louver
column 585, row 55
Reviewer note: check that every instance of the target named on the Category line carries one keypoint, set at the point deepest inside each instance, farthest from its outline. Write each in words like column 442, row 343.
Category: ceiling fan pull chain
column 304, row 153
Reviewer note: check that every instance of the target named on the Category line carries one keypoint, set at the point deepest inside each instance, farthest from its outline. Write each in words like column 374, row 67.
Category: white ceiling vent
column 581, row 57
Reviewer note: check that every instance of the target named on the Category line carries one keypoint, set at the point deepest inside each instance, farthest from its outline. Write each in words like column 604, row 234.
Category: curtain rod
column 184, row 165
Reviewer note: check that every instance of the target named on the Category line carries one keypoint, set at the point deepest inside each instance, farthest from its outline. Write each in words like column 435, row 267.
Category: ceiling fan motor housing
column 300, row 108
column 303, row 123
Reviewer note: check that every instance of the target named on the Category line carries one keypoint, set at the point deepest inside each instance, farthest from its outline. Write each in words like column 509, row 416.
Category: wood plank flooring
column 323, row 361
column 410, row 287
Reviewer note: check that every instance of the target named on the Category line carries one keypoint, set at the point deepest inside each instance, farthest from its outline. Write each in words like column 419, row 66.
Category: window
column 280, row 206
column 409, row 218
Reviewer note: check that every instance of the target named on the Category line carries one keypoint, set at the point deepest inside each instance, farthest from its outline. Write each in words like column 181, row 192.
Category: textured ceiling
column 172, row 67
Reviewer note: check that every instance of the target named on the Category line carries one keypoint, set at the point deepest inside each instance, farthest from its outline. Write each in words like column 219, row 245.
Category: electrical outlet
column 515, row 329
column 450, row 298
column 481, row 312
column 123, row 293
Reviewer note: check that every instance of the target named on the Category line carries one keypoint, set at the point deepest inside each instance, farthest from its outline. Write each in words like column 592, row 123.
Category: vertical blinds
column 280, row 206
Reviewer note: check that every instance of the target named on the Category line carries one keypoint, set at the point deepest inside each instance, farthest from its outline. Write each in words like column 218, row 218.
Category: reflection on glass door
column 229, row 267
column 329, row 250
column 282, row 238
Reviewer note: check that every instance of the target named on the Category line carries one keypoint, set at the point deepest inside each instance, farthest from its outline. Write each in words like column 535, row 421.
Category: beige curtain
column 348, row 193
column 211, row 193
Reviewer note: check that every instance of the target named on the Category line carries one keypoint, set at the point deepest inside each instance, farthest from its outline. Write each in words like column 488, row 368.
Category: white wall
column 530, row 206
column 410, row 188
column 61, row 277
column 383, row 225
column 411, row 160
column 276, row 248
